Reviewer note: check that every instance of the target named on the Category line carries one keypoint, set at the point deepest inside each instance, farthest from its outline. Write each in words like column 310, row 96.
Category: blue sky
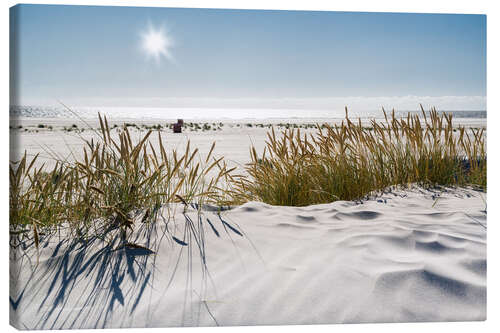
column 89, row 55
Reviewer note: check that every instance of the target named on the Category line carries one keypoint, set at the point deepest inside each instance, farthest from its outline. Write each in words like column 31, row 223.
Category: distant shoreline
column 228, row 114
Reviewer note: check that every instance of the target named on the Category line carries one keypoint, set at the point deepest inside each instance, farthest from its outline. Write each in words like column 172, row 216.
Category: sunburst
column 157, row 43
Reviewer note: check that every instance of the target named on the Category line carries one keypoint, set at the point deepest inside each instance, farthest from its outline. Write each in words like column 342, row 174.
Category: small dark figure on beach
column 178, row 126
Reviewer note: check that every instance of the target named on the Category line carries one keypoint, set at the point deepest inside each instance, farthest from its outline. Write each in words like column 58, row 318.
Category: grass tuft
column 348, row 161
column 114, row 182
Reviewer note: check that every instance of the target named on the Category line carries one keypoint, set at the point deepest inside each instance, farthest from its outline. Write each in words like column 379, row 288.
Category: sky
column 173, row 57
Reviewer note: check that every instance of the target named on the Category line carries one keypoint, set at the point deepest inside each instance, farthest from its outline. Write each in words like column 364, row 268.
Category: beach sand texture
column 410, row 255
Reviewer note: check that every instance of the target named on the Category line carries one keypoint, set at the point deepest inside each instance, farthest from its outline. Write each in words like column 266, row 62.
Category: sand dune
column 409, row 255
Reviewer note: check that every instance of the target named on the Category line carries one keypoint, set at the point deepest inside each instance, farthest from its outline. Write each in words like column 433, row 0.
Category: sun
column 157, row 43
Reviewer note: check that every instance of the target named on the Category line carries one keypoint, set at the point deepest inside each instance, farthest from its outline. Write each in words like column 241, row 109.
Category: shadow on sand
column 81, row 283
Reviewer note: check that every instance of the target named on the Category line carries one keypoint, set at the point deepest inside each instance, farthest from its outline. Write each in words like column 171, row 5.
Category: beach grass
column 118, row 181
column 114, row 181
column 348, row 161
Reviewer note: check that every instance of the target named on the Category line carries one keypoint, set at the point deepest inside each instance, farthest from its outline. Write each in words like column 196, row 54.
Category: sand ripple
column 397, row 258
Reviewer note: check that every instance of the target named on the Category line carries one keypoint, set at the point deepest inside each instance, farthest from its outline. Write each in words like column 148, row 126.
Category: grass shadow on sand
column 96, row 283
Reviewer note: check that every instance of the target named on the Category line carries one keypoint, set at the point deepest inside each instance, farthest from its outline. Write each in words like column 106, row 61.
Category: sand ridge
column 406, row 255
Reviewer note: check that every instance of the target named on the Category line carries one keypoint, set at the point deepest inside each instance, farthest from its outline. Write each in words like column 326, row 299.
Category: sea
column 148, row 113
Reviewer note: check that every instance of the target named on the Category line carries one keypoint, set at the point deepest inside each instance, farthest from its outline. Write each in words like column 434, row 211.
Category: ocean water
column 205, row 113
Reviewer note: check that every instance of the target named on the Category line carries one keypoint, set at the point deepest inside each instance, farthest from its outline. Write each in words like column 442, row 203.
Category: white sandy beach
column 410, row 255
column 400, row 257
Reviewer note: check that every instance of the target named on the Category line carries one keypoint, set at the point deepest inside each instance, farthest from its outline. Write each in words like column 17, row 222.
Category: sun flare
column 156, row 43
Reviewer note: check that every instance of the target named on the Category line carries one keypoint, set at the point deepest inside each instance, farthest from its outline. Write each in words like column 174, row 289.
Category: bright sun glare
column 156, row 43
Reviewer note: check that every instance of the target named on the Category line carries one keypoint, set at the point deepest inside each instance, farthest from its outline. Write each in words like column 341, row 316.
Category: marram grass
column 113, row 181
column 117, row 180
column 348, row 161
